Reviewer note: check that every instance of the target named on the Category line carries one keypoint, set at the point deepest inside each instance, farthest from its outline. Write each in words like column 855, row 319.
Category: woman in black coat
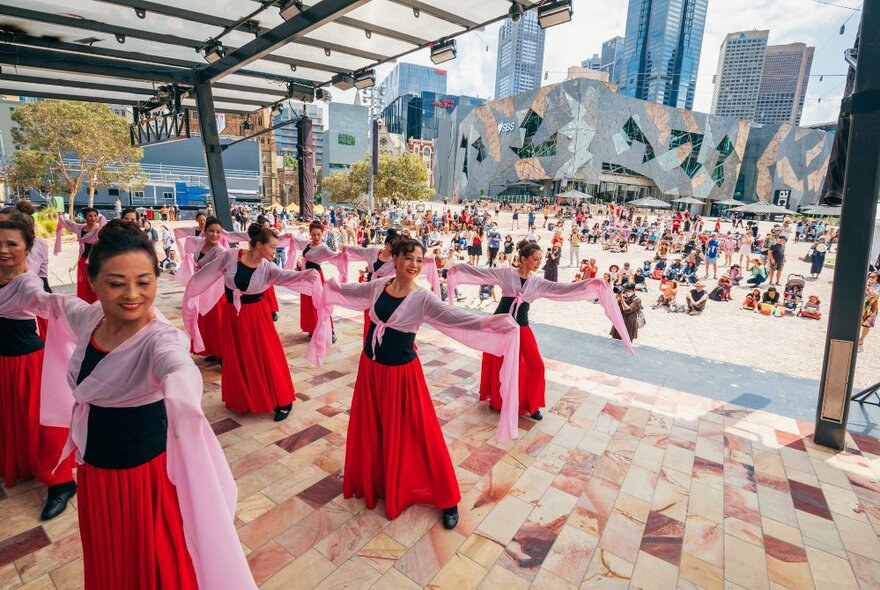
column 551, row 264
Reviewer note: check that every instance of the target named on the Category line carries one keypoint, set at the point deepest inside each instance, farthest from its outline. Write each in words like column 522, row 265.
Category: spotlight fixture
column 365, row 79
column 416, row 12
column 140, row 12
column 213, row 51
column 343, row 81
column 323, row 95
column 554, row 13
column 327, row 52
column 120, row 38
column 277, row 110
column 443, row 50
column 290, row 8
column 516, row 11
column 292, row 67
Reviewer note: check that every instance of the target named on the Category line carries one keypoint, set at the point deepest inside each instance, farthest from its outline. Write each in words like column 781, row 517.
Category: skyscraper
column 661, row 54
column 740, row 63
column 412, row 79
column 593, row 63
column 611, row 50
column 520, row 56
column 784, row 83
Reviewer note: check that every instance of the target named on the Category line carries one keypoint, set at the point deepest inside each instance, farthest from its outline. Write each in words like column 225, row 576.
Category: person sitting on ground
column 613, row 271
column 668, row 293
column 646, row 268
column 721, row 292
column 771, row 303
column 812, row 308
column 758, row 272
column 638, row 281
column 674, row 270
column 659, row 269
column 735, row 274
column 689, row 271
column 771, row 296
column 753, row 298
column 696, row 299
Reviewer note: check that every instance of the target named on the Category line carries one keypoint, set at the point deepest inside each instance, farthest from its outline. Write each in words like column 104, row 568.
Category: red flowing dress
column 83, row 288
column 395, row 448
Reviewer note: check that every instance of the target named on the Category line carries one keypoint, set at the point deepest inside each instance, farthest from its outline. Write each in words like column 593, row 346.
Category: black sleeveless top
column 397, row 347
column 87, row 248
column 243, row 275
column 19, row 336
column 522, row 312
column 122, row 438
column 309, row 264
column 374, row 268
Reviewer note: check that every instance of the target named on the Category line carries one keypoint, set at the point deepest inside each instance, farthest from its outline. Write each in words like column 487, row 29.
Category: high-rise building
column 661, row 53
column 417, row 116
column 738, row 78
column 611, row 50
column 414, row 79
column 347, row 137
column 520, row 56
column 287, row 138
column 784, row 83
column 593, row 63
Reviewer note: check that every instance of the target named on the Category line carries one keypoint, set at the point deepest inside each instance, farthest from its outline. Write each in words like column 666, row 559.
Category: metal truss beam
column 83, row 85
column 66, row 96
column 67, row 62
column 438, row 12
column 307, row 21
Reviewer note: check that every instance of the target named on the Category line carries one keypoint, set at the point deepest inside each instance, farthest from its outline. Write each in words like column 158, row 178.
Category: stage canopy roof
column 125, row 51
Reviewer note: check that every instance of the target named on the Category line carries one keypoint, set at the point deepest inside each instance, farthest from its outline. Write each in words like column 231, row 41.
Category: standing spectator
column 712, row 256
column 171, row 263
column 745, row 248
column 696, row 299
column 631, row 307
column 869, row 313
column 574, row 250
column 776, row 259
column 150, row 231
column 531, row 219
column 494, row 243
column 164, row 212
column 817, row 257
column 117, row 205
column 167, row 241
column 551, row 264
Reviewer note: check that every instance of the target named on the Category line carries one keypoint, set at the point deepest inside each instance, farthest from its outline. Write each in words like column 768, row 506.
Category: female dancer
column 87, row 235
column 26, row 448
column 198, row 252
column 255, row 374
column 270, row 298
column 518, row 289
column 315, row 252
column 150, row 466
column 38, row 257
column 395, row 448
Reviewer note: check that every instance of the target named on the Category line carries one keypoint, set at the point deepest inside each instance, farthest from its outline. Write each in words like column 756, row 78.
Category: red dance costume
column 86, row 238
column 395, row 448
column 255, row 374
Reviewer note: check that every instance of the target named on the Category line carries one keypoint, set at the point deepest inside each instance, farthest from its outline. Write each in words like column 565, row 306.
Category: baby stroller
column 794, row 292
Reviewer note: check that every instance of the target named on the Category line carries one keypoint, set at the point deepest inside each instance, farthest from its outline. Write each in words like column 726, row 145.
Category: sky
column 814, row 22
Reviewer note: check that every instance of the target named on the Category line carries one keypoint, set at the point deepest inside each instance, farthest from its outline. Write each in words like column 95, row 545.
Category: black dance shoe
column 450, row 518
column 537, row 415
column 282, row 412
column 59, row 496
column 274, row 316
column 333, row 336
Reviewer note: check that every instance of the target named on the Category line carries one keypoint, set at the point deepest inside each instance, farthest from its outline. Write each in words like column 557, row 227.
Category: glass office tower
column 661, row 53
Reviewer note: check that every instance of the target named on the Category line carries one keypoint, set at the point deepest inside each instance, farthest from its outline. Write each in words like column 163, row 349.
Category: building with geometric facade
column 579, row 133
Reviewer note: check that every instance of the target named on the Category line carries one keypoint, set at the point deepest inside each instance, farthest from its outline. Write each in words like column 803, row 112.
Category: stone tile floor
column 622, row 485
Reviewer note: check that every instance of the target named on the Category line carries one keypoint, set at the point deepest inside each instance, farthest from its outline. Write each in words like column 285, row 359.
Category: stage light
column 213, row 51
column 290, row 9
column 554, row 13
column 516, row 11
column 140, row 12
column 365, row 79
column 443, row 51
column 120, row 38
column 323, row 95
column 277, row 110
column 343, row 81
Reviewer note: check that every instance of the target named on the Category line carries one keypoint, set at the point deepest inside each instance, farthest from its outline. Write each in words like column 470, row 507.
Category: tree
column 87, row 142
column 32, row 170
column 403, row 177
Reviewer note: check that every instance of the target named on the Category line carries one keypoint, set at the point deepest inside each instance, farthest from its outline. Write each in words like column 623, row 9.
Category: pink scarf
column 495, row 334
column 15, row 293
column 153, row 364
column 537, row 287
column 38, row 258
column 221, row 271
column 90, row 237
column 371, row 254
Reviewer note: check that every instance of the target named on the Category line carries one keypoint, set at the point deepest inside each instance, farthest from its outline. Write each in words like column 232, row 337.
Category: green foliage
column 32, row 170
column 290, row 162
column 44, row 224
column 87, row 132
column 404, row 177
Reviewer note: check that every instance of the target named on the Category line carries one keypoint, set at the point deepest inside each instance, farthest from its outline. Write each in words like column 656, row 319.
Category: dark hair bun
column 25, row 206
column 253, row 230
column 120, row 237
column 212, row 221
column 391, row 235
column 316, row 225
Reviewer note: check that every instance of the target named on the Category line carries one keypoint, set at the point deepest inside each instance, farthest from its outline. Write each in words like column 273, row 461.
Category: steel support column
column 306, row 156
column 213, row 153
column 860, row 193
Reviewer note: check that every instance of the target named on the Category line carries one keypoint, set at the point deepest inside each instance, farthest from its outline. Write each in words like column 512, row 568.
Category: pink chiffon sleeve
column 495, row 334
column 588, row 290
column 192, row 306
column 429, row 269
column 308, row 282
column 71, row 226
column 354, row 296
column 467, row 274
column 199, row 471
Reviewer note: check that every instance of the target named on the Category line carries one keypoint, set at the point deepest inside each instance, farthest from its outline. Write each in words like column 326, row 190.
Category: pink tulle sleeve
column 361, row 253
column 308, row 282
column 205, row 279
column 71, row 226
column 198, row 469
column 236, row 236
column 495, row 334
column 588, row 290
column 429, row 269
column 355, row 296
column 467, row 274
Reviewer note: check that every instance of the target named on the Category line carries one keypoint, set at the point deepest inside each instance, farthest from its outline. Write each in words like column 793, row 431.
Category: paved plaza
column 676, row 468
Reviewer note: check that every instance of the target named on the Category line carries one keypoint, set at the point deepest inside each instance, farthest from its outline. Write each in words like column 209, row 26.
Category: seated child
column 812, row 308
column 646, row 268
column 659, row 269
column 721, row 292
column 668, row 293
column 735, row 274
column 793, row 296
column 752, row 300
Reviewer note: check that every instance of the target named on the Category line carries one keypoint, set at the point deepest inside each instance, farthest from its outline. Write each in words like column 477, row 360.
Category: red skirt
column 395, row 448
column 255, row 374
column 42, row 326
column 531, row 375
column 308, row 317
column 132, row 530
column 28, row 448
column 83, row 287
column 271, row 299
column 211, row 327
